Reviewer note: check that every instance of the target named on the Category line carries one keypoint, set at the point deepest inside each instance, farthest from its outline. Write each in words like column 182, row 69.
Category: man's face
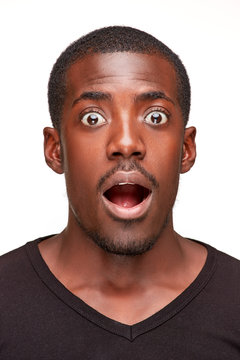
column 122, row 138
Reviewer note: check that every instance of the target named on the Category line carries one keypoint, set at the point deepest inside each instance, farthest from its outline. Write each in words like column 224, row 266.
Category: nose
column 125, row 141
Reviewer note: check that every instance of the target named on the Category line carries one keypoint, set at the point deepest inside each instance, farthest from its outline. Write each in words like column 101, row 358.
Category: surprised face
column 124, row 146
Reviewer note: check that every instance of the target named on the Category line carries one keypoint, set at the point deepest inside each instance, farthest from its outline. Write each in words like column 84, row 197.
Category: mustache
column 130, row 165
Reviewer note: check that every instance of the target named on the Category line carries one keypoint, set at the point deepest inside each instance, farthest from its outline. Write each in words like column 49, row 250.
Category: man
column 119, row 282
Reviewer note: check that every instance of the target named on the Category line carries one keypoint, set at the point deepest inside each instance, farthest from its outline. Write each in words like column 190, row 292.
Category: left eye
column 156, row 117
column 93, row 119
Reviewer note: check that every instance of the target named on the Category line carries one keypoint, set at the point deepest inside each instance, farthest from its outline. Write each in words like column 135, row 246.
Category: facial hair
column 131, row 245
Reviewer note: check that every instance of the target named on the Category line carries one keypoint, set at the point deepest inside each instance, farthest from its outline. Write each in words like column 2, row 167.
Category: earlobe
column 52, row 149
column 189, row 149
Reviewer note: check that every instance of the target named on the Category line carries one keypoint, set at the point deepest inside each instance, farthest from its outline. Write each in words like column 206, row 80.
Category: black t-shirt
column 41, row 319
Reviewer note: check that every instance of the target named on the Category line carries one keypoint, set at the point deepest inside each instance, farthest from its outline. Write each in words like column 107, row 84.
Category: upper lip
column 126, row 177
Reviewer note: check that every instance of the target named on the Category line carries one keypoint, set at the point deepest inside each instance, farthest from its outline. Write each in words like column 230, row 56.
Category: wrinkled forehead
column 128, row 71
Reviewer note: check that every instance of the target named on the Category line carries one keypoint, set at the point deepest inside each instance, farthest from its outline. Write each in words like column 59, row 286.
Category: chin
column 125, row 237
column 126, row 245
column 128, row 239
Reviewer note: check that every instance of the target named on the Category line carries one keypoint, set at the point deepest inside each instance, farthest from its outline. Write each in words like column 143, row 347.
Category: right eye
column 93, row 119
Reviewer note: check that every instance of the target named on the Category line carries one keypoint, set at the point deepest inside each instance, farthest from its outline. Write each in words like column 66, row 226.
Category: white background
column 204, row 33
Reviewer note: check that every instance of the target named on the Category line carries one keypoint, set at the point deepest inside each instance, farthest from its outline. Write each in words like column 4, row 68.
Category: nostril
column 135, row 153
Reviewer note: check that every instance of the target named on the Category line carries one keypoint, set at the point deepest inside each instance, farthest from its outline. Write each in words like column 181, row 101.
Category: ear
column 189, row 149
column 52, row 149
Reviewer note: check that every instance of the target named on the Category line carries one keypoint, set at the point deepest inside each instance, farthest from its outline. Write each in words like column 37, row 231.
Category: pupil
column 92, row 119
column 156, row 118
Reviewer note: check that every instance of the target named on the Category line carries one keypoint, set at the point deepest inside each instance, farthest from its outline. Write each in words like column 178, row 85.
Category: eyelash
column 149, row 111
column 157, row 109
column 88, row 111
column 163, row 110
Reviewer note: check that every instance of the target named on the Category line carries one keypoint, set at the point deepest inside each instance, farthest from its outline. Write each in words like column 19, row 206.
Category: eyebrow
column 99, row 95
column 152, row 95
column 92, row 95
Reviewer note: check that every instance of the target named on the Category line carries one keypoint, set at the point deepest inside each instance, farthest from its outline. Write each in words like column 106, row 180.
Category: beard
column 129, row 241
column 126, row 245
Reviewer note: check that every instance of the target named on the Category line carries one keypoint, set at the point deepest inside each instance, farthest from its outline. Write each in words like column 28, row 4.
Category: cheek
column 168, row 167
column 165, row 156
column 81, row 152
column 80, row 168
column 165, row 159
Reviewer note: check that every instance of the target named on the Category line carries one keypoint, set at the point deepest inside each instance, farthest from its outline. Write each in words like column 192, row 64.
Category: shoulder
column 15, row 270
column 223, row 263
column 222, row 276
column 12, row 260
column 223, row 287
column 15, row 273
column 18, row 260
column 228, row 269
column 228, row 263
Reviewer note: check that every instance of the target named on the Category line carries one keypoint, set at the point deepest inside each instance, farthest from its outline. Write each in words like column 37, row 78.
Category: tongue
column 125, row 195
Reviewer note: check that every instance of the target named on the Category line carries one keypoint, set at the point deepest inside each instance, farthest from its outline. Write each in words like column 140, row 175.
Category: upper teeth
column 126, row 183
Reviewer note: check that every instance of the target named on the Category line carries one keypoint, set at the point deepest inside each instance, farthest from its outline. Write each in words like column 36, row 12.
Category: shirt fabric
column 41, row 319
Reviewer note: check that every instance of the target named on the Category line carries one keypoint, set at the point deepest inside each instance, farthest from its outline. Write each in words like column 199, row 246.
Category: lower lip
column 132, row 213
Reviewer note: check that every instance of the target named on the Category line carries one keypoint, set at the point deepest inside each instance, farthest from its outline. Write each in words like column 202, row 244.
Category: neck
column 73, row 255
column 127, row 289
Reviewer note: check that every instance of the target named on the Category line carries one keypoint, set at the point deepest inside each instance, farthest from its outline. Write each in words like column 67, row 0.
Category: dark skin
column 121, row 130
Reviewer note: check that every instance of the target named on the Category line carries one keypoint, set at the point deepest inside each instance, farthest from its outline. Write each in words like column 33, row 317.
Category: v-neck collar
column 129, row 332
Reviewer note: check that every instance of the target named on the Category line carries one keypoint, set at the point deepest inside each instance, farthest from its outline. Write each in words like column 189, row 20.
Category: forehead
column 122, row 72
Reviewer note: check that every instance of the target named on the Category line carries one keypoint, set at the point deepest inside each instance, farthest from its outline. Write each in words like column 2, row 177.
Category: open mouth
column 127, row 195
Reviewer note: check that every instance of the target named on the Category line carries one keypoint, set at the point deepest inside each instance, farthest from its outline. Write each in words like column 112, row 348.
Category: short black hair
column 110, row 40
